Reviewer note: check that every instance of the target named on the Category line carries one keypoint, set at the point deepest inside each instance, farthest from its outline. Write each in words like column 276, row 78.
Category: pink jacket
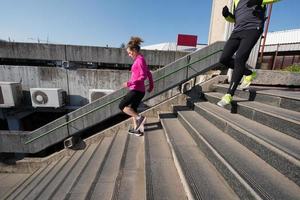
column 139, row 73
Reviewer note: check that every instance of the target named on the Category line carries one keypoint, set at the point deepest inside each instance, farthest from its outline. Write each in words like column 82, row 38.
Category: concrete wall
column 217, row 30
column 75, row 82
column 80, row 81
column 165, row 79
column 74, row 53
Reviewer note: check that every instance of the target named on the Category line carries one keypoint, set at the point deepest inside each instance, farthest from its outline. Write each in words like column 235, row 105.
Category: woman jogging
column 248, row 17
column 136, row 85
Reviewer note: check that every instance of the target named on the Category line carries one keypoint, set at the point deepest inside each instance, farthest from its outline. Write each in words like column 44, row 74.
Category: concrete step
column 201, row 178
column 85, row 182
column 74, row 172
column 162, row 178
column 279, row 150
column 100, row 171
column 133, row 184
column 64, row 174
column 287, row 98
column 35, row 181
column 11, row 194
column 283, row 120
column 10, row 181
column 47, row 179
column 105, row 185
column 243, row 170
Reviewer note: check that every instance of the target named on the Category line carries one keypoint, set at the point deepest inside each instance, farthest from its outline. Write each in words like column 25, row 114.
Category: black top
column 248, row 18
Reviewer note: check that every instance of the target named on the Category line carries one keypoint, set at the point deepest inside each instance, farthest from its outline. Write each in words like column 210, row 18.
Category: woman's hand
column 150, row 89
column 124, row 84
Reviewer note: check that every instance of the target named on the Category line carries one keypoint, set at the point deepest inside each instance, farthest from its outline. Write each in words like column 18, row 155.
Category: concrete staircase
column 256, row 149
column 251, row 150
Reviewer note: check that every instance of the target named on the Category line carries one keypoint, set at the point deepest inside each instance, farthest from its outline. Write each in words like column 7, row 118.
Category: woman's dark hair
column 134, row 44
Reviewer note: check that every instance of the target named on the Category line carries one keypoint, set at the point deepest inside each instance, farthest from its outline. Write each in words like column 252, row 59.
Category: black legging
column 132, row 98
column 242, row 43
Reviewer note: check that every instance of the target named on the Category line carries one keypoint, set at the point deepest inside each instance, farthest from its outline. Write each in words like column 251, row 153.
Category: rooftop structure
column 171, row 46
column 282, row 41
column 282, row 49
column 283, row 37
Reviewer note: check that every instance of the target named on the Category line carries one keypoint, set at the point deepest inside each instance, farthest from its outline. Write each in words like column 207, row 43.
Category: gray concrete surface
column 264, row 77
column 240, row 168
column 165, row 79
column 59, row 52
column 75, row 82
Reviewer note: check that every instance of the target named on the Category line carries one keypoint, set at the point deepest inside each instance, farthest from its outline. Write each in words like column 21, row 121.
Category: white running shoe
column 247, row 81
column 226, row 99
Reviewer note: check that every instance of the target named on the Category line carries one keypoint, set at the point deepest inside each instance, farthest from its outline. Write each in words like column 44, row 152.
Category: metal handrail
column 114, row 100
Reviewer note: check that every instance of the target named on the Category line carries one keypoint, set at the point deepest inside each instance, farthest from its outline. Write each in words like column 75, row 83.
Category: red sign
column 187, row 40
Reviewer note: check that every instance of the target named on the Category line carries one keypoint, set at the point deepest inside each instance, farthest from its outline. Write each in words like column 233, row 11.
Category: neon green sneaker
column 226, row 99
column 248, row 80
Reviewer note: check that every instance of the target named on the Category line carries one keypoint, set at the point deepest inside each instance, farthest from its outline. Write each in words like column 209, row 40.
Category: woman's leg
column 124, row 106
column 230, row 48
column 248, row 40
column 244, row 41
column 132, row 98
column 129, row 111
column 138, row 120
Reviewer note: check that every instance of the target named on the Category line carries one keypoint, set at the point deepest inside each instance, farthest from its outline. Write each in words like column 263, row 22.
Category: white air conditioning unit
column 98, row 93
column 47, row 97
column 187, row 85
column 10, row 94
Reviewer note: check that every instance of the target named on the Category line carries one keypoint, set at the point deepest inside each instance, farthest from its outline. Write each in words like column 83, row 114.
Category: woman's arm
column 151, row 83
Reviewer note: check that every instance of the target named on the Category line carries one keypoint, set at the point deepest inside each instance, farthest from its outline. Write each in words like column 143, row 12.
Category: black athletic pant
column 132, row 98
column 242, row 43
